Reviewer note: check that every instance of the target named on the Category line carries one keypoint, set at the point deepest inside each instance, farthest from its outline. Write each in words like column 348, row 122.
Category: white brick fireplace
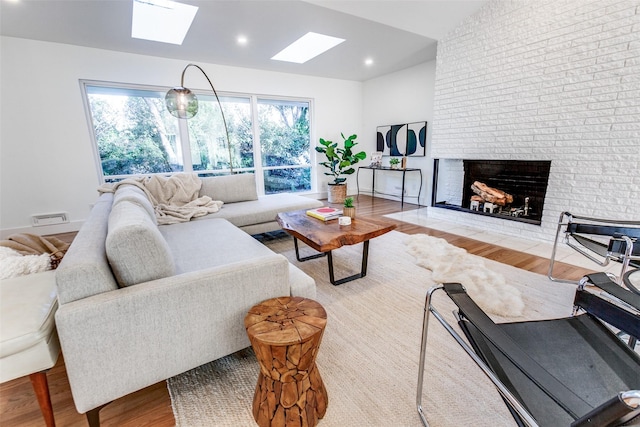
column 546, row 80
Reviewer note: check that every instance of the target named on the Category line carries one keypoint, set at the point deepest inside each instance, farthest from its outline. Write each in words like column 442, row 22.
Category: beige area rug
column 370, row 350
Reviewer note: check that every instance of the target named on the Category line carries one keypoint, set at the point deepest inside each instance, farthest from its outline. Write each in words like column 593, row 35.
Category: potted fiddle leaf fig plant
column 340, row 161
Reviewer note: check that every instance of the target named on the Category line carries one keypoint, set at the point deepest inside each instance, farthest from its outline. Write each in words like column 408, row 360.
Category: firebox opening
column 508, row 189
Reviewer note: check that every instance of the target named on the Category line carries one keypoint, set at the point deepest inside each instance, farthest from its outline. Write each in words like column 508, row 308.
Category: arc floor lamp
column 183, row 104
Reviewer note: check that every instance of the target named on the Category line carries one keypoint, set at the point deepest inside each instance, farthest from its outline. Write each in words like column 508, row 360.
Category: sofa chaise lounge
column 141, row 302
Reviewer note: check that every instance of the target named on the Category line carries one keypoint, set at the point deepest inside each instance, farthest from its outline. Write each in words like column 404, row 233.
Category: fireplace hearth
column 508, row 189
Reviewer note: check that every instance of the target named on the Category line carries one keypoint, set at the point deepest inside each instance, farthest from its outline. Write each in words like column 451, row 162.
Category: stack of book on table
column 325, row 213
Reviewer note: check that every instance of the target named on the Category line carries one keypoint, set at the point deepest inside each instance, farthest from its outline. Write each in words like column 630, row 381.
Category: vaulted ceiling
column 394, row 34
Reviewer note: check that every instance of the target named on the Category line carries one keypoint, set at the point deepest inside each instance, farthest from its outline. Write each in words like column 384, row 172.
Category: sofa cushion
column 28, row 339
column 206, row 244
column 302, row 285
column 136, row 250
column 262, row 210
column 135, row 195
column 28, row 307
column 230, row 188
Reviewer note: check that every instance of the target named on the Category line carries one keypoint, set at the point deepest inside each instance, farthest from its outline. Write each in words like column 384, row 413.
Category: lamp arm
column 224, row 120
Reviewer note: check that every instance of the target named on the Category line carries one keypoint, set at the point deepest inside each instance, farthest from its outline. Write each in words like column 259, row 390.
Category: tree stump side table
column 285, row 334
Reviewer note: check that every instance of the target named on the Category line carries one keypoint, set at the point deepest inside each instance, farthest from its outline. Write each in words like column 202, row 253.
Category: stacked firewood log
column 491, row 195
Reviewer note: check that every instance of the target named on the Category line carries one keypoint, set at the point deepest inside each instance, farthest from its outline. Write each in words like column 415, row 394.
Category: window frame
column 183, row 134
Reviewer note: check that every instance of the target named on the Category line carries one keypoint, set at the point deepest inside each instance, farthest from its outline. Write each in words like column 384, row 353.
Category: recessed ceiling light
column 163, row 21
column 306, row 47
column 368, row 62
column 242, row 40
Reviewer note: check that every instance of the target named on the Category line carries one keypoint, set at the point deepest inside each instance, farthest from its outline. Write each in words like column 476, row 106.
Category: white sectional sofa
column 139, row 303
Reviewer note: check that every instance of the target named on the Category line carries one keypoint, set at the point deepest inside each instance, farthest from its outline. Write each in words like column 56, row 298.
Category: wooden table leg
column 41, row 388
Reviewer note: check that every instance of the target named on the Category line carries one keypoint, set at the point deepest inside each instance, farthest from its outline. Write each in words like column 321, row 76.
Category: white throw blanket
column 449, row 263
column 174, row 198
column 14, row 264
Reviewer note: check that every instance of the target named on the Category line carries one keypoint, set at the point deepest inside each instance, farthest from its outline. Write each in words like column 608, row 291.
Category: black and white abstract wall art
column 417, row 139
column 391, row 140
column 408, row 139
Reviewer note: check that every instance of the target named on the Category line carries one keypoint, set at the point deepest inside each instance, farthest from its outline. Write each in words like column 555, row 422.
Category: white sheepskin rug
column 14, row 264
column 450, row 264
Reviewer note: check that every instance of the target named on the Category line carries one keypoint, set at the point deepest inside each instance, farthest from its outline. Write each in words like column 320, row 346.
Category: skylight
column 306, row 47
column 163, row 21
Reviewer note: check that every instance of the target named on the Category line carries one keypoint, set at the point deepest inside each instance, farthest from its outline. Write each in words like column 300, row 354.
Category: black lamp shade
column 181, row 103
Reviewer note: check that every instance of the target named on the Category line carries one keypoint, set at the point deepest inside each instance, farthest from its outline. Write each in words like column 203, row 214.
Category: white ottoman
column 28, row 338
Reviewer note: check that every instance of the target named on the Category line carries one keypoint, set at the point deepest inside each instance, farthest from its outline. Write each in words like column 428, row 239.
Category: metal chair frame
column 623, row 235
column 631, row 398
column 502, row 389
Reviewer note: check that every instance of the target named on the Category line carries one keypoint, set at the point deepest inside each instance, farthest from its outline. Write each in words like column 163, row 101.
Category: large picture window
column 284, row 145
column 134, row 135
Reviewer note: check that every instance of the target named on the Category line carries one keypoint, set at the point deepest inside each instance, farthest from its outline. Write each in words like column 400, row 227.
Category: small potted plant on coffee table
column 348, row 209
column 394, row 161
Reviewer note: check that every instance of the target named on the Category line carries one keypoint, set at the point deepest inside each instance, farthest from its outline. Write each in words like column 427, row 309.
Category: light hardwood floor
column 152, row 405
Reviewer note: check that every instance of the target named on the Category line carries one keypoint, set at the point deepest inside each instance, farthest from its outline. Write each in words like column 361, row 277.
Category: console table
column 388, row 169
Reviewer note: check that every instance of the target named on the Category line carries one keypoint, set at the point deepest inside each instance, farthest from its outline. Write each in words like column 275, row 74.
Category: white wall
column 402, row 97
column 46, row 159
column 546, row 80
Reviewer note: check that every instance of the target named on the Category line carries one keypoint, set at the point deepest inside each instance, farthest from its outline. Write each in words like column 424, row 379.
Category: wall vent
column 49, row 219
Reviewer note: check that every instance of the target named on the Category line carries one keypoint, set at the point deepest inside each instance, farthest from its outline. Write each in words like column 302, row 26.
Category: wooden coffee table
column 325, row 236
